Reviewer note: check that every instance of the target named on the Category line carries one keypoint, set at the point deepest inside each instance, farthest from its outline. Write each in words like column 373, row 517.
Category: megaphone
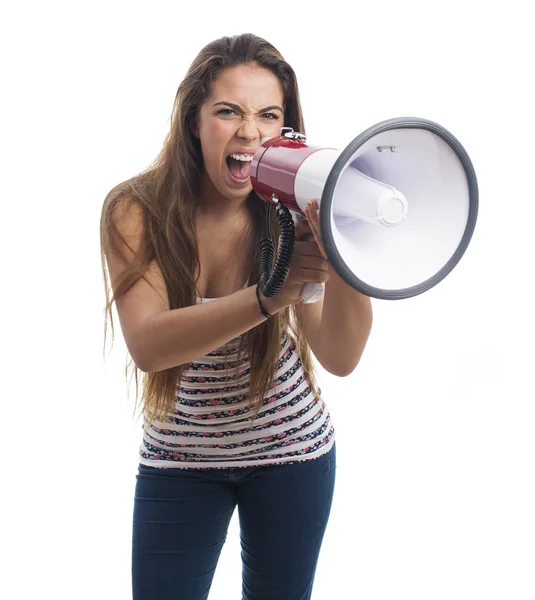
column 398, row 206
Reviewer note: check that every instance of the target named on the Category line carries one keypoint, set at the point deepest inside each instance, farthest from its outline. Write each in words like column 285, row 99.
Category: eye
column 228, row 112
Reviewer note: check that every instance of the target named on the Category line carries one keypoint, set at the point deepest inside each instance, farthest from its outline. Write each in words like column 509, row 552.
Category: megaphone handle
column 312, row 292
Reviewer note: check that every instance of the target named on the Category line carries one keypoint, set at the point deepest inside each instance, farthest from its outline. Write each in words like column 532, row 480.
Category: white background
column 435, row 428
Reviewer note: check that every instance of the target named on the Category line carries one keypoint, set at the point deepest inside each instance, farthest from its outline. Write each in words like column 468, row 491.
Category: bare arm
column 175, row 337
column 344, row 325
column 337, row 327
column 159, row 338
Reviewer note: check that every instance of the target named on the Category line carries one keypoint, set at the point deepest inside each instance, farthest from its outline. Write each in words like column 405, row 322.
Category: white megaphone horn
column 398, row 206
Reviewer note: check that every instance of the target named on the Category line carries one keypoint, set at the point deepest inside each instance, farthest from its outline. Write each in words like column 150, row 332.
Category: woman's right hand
column 308, row 265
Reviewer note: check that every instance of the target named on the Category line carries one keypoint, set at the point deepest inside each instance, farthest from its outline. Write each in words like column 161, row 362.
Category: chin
column 234, row 193
column 243, row 193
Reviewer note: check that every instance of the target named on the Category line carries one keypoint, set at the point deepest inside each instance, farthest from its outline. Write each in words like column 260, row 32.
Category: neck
column 213, row 204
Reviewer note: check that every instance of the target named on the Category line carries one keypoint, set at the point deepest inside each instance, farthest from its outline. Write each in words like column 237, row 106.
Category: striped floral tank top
column 212, row 426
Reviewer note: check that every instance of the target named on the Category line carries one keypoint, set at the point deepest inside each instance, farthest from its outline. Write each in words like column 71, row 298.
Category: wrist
column 271, row 305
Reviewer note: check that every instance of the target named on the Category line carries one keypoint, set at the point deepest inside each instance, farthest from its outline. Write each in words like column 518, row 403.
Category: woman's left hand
column 311, row 225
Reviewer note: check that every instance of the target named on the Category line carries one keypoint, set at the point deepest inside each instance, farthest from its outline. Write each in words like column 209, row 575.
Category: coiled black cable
column 272, row 277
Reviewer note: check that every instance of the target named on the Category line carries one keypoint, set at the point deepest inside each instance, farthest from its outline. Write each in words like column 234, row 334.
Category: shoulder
column 124, row 210
column 122, row 224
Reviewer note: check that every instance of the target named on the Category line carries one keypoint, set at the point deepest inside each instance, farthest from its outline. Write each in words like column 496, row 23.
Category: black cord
column 262, row 309
column 272, row 277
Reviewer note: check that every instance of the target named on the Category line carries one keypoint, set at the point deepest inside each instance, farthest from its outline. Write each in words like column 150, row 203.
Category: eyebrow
column 238, row 107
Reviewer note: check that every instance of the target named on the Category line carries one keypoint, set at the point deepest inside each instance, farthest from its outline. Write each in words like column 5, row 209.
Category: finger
column 313, row 209
column 312, row 216
column 316, row 234
column 315, row 230
column 307, row 248
column 311, row 262
column 311, row 269
column 311, row 275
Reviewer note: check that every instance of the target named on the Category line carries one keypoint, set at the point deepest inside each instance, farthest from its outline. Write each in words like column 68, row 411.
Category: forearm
column 179, row 336
column 345, row 325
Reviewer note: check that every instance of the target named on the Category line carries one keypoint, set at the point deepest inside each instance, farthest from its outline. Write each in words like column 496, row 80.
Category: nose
column 248, row 130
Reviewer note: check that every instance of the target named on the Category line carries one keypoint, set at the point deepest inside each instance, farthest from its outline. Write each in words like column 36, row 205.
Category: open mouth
column 239, row 166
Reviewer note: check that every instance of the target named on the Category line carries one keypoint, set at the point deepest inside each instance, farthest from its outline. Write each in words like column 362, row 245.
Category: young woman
column 232, row 412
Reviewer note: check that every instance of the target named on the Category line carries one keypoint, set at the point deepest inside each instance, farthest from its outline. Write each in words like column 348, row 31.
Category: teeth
column 241, row 157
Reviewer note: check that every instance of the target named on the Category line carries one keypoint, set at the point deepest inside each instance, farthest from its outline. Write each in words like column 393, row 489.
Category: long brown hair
column 168, row 194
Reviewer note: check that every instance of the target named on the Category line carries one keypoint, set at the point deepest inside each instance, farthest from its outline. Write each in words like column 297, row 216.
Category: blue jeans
column 181, row 518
